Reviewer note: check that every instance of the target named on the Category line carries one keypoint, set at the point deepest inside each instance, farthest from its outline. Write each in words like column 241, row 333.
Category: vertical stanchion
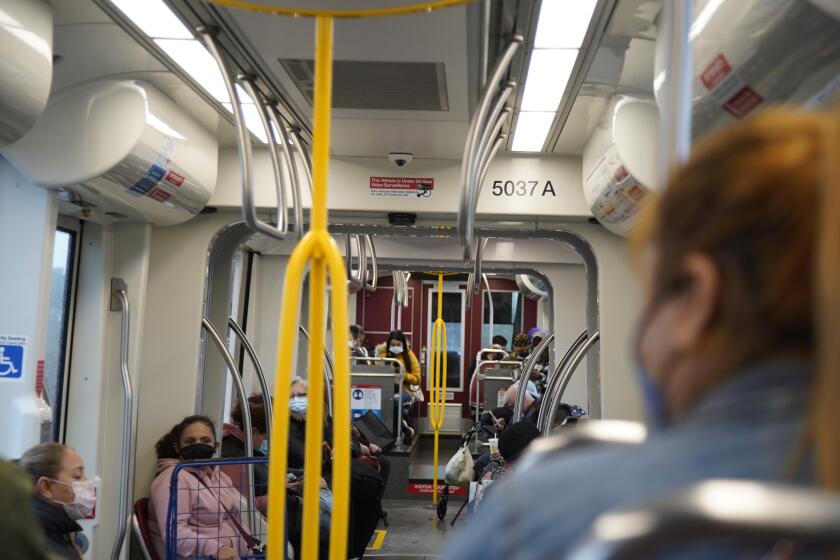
column 318, row 249
column 437, row 405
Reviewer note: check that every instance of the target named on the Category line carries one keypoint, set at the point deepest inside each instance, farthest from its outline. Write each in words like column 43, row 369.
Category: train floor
column 413, row 531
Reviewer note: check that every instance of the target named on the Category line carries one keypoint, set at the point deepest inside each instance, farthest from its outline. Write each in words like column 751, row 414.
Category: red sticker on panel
column 423, row 487
column 740, row 104
column 39, row 378
column 174, row 179
column 715, row 72
column 159, row 194
column 402, row 186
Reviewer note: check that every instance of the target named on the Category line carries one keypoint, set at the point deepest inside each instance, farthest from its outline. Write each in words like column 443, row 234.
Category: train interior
column 487, row 161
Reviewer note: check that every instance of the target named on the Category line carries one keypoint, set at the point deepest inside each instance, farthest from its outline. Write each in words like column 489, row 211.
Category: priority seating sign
column 12, row 355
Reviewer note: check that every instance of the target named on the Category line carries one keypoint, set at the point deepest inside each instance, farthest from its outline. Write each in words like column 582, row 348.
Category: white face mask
column 84, row 502
column 395, row 349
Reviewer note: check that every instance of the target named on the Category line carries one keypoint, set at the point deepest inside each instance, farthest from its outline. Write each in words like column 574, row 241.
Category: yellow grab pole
column 437, row 406
column 318, row 249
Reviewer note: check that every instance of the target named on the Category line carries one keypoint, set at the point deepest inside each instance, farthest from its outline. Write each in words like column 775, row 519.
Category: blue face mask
column 395, row 349
column 298, row 404
column 264, row 447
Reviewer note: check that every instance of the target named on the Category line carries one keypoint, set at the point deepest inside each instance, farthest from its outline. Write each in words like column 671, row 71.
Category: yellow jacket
column 412, row 370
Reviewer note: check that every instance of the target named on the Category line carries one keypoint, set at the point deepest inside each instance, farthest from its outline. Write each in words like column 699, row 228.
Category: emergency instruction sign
column 414, row 187
column 12, row 355
column 364, row 398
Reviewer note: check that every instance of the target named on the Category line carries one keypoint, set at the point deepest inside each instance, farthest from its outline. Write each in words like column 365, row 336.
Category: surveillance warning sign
column 414, row 187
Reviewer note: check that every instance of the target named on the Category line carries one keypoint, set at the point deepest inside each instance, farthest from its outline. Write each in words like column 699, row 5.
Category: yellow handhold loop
column 318, row 249
column 372, row 12
column 437, row 404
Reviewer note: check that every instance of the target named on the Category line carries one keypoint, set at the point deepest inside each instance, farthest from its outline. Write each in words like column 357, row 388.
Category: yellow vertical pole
column 319, row 250
column 437, row 406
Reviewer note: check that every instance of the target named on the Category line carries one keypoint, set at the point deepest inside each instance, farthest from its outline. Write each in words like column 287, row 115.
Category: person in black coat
column 63, row 495
column 365, row 502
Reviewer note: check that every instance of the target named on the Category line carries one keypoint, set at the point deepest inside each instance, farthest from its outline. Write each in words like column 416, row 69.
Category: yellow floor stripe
column 380, row 538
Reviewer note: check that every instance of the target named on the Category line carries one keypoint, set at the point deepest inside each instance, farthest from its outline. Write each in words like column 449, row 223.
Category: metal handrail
column 329, row 369
column 274, row 151
column 466, row 219
column 480, row 377
column 566, row 376
column 527, row 370
column 236, row 376
column 489, row 293
column 297, row 142
column 741, row 510
column 555, row 375
column 255, row 361
column 497, row 145
column 355, row 282
column 243, row 142
column 374, row 271
column 469, row 291
column 119, row 302
column 477, row 274
column 385, row 360
column 291, row 167
column 484, row 151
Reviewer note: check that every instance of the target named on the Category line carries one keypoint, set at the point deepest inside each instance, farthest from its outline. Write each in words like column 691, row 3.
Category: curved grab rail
column 356, row 280
column 386, row 360
column 329, row 370
column 273, row 149
column 738, row 509
column 437, row 374
column 236, row 377
column 119, row 302
column 374, row 270
column 492, row 309
column 528, row 369
column 268, row 405
column 477, row 274
column 243, row 142
column 480, row 376
column 556, row 374
column 491, row 155
column 291, row 168
column 566, row 376
column 487, row 149
column 303, row 154
column 466, row 219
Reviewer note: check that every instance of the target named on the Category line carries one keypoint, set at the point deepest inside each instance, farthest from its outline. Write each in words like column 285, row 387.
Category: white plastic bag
column 460, row 468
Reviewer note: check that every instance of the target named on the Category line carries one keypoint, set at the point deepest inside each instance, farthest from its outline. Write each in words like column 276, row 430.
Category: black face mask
column 197, row 451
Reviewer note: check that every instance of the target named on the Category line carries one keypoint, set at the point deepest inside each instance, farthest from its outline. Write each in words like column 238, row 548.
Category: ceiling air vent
column 377, row 86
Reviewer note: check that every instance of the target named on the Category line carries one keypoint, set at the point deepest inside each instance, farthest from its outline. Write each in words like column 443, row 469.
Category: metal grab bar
column 355, row 282
column 329, row 369
column 255, row 361
column 480, row 377
column 291, row 167
column 741, row 510
column 243, row 142
column 438, row 374
column 477, row 274
column 489, row 293
column 488, row 159
column 374, row 271
column 466, row 219
column 484, row 151
column 273, row 150
column 385, row 360
column 555, row 375
column 297, row 142
column 675, row 123
column 236, row 376
column 528, row 369
column 119, row 302
column 566, row 376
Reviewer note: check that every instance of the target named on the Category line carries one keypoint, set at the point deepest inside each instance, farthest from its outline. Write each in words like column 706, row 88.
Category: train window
column 453, row 317
column 58, row 327
column 507, row 316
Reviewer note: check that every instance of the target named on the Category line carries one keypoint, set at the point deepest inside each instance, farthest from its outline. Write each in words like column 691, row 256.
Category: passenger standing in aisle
column 738, row 349
column 63, row 495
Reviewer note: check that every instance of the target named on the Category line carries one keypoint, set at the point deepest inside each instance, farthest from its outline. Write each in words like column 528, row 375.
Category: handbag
column 416, row 393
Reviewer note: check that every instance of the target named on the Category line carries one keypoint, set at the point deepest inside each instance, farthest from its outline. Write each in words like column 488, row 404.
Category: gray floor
column 414, row 530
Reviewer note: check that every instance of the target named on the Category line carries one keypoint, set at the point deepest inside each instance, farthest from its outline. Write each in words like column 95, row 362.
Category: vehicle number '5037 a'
column 523, row 188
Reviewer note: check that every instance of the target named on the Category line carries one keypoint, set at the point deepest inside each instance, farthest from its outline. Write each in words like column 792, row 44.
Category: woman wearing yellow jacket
column 397, row 347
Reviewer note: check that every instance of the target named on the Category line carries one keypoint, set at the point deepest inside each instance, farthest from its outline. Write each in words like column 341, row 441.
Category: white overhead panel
column 122, row 150
column 26, row 40
column 400, row 83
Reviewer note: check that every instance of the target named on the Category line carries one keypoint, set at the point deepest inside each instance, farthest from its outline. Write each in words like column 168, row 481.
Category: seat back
column 140, row 524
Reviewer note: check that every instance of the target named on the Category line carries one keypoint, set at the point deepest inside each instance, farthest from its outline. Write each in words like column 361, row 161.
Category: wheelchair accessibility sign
column 12, row 354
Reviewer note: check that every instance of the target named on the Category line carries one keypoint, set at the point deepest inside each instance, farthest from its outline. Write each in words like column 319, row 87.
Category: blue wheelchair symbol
column 357, row 394
column 11, row 361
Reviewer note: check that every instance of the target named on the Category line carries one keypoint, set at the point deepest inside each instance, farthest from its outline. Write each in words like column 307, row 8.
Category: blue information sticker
column 11, row 360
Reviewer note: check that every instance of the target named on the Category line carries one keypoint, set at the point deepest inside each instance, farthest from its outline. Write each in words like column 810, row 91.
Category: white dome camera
column 400, row 159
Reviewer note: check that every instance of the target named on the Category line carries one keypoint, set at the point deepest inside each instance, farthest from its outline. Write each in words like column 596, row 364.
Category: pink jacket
column 203, row 524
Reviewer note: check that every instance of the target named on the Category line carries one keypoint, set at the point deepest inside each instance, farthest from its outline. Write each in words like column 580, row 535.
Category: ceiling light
column 548, row 74
column 563, row 24
column 194, row 59
column 531, row 131
column 252, row 118
column 154, row 18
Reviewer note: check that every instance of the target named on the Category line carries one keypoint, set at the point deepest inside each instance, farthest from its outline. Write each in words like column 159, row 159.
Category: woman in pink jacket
column 208, row 517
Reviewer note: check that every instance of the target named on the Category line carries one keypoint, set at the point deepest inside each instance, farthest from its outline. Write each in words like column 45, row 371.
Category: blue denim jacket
column 746, row 428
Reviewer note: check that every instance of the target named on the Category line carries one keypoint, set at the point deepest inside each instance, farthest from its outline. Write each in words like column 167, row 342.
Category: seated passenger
column 738, row 347
column 63, row 495
column 233, row 446
column 208, row 517
column 357, row 342
column 512, row 442
column 397, row 348
column 366, row 488
column 521, row 348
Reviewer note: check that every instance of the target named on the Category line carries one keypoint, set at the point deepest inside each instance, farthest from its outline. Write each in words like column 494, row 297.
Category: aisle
column 414, row 530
